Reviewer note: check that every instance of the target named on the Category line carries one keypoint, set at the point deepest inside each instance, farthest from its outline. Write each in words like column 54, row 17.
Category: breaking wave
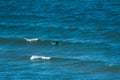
column 30, row 40
column 39, row 57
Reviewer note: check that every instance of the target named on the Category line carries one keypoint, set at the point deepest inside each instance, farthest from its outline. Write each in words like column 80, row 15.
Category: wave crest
column 39, row 57
column 30, row 40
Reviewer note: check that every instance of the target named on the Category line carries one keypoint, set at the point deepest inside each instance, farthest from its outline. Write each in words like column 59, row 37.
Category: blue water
column 88, row 32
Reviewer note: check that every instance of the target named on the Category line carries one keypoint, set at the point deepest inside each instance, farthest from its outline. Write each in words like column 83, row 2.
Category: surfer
column 55, row 43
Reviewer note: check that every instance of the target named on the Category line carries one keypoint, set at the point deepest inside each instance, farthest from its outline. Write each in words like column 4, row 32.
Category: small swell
column 39, row 41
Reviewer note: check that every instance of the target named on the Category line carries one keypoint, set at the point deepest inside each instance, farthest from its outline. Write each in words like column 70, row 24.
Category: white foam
column 30, row 40
column 52, row 43
column 110, row 65
column 39, row 57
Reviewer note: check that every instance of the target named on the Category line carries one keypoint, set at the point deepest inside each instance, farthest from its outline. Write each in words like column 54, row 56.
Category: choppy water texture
column 88, row 32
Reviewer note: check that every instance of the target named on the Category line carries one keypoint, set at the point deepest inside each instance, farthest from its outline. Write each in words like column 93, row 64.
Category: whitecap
column 30, row 40
column 39, row 57
column 110, row 65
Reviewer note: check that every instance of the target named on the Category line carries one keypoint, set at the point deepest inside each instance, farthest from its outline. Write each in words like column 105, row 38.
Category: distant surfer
column 55, row 43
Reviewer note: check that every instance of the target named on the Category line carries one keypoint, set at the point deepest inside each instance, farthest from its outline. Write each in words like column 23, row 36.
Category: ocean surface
column 88, row 32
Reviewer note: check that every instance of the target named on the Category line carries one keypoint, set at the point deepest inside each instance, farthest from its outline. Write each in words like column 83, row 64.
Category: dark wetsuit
column 56, row 43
